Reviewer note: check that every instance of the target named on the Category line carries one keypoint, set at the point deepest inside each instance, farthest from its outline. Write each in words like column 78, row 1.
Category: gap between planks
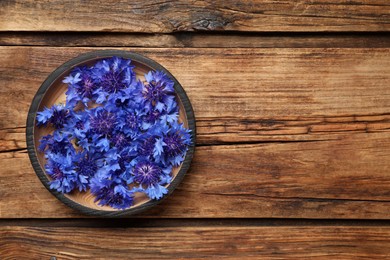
column 188, row 222
column 198, row 40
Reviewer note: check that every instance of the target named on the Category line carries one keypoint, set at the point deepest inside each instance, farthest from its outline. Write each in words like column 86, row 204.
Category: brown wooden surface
column 303, row 242
column 171, row 16
column 327, row 132
column 292, row 102
column 261, row 87
column 346, row 178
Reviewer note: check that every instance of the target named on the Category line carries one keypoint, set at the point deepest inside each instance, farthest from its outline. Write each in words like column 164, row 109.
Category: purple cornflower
column 86, row 165
column 174, row 144
column 81, row 84
column 56, row 144
column 102, row 122
column 146, row 173
column 57, row 115
column 120, row 140
column 86, row 86
column 147, row 146
column 132, row 121
column 110, row 193
column 158, row 90
column 114, row 74
column 61, row 174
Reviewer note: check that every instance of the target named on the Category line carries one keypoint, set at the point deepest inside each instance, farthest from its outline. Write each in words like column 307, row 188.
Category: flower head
column 57, row 115
column 81, row 85
column 147, row 146
column 110, row 193
column 176, row 140
column 102, row 122
column 132, row 121
column 120, row 140
column 60, row 171
column 156, row 191
column 176, row 143
column 56, row 144
column 146, row 173
column 86, row 164
column 114, row 74
column 158, row 90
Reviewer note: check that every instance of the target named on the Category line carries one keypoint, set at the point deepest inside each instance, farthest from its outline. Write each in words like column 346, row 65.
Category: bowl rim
column 40, row 95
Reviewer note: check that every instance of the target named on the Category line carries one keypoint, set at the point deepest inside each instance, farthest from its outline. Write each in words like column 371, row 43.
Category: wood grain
column 324, row 114
column 172, row 16
column 196, row 40
column 344, row 178
column 238, row 94
column 292, row 102
column 214, row 131
column 306, row 242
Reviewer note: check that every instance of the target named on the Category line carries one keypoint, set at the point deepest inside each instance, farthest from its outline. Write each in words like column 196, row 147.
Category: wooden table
column 292, row 101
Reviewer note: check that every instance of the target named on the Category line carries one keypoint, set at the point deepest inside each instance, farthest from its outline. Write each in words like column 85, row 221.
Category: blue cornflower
column 151, row 118
column 146, row 173
column 57, row 143
column 156, row 191
column 158, row 90
column 173, row 144
column 114, row 74
column 129, row 120
column 171, row 114
column 120, row 140
column 86, row 86
column 81, row 86
column 102, row 122
column 176, row 143
column 111, row 193
column 59, row 168
column 57, row 115
column 146, row 148
column 85, row 167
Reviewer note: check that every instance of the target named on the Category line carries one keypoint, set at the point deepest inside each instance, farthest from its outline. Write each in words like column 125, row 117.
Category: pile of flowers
column 115, row 135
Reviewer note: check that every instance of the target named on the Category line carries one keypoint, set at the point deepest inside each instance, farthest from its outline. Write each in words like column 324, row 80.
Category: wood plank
column 172, row 16
column 345, row 178
column 238, row 94
column 250, row 130
column 12, row 139
column 306, row 242
column 197, row 40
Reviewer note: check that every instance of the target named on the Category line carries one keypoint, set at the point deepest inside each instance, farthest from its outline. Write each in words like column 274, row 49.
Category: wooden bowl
column 52, row 91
